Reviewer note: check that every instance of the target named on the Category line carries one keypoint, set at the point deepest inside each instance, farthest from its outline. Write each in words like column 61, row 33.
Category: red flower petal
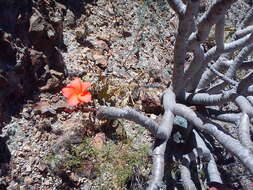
column 76, row 84
column 73, row 100
column 68, row 92
column 76, row 92
column 85, row 86
column 86, row 97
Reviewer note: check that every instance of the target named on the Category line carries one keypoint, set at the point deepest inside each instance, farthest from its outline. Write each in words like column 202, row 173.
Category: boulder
column 31, row 41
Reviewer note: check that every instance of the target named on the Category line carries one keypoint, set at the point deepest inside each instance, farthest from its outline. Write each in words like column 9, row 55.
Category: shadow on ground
column 76, row 6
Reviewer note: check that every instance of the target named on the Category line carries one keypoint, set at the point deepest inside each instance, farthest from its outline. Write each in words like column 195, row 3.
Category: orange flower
column 76, row 92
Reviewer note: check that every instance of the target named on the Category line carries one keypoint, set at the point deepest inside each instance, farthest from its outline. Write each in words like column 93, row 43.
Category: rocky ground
column 124, row 48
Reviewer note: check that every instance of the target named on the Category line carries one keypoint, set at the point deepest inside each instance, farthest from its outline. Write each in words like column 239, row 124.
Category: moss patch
column 113, row 167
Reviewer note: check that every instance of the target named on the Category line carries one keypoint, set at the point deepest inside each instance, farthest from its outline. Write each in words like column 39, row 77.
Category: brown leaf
column 151, row 103
column 98, row 141
column 101, row 60
column 89, row 170
column 43, row 107
column 101, row 44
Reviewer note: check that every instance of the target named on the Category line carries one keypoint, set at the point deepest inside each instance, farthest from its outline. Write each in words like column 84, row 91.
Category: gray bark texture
column 212, row 79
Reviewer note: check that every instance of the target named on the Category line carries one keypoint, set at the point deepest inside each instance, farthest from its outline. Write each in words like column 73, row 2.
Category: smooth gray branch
column 244, row 105
column 248, row 19
column 222, row 76
column 185, row 28
column 219, row 34
column 211, row 17
column 178, row 6
column 231, row 144
column 160, row 146
column 244, row 53
column 187, row 182
column 210, row 99
column 244, row 132
column 158, row 165
column 213, row 172
column 131, row 115
column 244, row 32
column 211, row 54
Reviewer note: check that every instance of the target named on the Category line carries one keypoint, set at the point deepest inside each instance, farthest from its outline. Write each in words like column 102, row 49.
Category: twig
column 235, row 66
column 227, row 117
column 229, row 47
column 211, row 17
column 222, row 76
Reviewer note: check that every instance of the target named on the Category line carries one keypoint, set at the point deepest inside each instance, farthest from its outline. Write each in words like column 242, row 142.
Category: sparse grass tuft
column 113, row 167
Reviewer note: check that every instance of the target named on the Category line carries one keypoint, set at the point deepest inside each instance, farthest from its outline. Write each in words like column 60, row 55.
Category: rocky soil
column 124, row 48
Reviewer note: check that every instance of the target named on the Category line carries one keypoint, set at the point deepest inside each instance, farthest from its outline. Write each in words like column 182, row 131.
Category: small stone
column 26, row 148
column 28, row 168
column 55, row 99
column 42, row 167
column 21, row 154
column 101, row 44
column 37, row 135
column 181, row 121
column 47, row 182
column 98, row 141
column 13, row 186
column 101, row 60
column 28, row 180
column 23, row 187
column 73, row 177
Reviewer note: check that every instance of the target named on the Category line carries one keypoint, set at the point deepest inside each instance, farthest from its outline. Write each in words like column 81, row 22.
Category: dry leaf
column 43, row 107
column 98, row 141
column 101, row 44
column 151, row 103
